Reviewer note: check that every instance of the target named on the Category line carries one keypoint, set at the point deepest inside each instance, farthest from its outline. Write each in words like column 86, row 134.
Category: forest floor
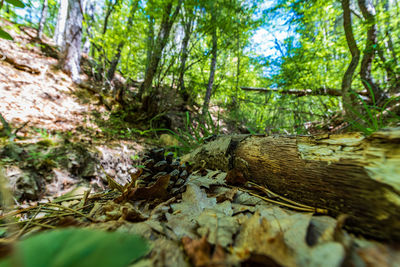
column 36, row 92
column 65, row 161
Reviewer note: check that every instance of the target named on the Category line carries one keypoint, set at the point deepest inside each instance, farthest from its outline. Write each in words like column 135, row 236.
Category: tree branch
column 301, row 92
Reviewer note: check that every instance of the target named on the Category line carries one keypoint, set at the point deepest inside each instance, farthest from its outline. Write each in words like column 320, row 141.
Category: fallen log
column 301, row 92
column 344, row 173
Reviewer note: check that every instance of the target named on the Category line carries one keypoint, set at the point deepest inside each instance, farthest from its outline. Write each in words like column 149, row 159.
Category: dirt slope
column 33, row 89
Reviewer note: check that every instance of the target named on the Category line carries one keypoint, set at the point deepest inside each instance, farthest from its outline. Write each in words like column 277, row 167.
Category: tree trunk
column 394, row 78
column 162, row 39
column 89, row 14
column 43, row 17
column 150, row 42
column 117, row 56
column 368, row 12
column 61, row 23
column 71, row 52
column 349, row 99
column 238, row 48
column 343, row 174
column 110, row 9
column 213, row 65
column 188, row 26
column 102, row 57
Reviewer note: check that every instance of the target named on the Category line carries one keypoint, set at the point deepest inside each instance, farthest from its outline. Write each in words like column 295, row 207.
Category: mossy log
column 343, row 173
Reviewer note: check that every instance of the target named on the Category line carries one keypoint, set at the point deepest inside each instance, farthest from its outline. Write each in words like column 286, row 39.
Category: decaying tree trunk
column 345, row 173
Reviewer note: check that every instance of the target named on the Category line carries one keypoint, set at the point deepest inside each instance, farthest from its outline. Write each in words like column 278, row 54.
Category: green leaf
column 5, row 35
column 77, row 247
column 17, row 3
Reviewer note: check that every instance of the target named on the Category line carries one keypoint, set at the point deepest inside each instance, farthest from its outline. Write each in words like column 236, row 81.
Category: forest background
column 293, row 67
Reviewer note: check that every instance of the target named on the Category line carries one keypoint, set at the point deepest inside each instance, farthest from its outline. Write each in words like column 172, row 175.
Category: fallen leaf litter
column 194, row 218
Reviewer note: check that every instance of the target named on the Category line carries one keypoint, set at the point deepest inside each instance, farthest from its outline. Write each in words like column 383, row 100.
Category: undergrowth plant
column 196, row 130
column 193, row 133
column 373, row 116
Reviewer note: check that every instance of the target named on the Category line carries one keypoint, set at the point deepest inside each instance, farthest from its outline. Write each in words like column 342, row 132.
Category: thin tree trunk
column 188, row 26
column 162, row 39
column 110, row 9
column 235, row 102
column 390, row 73
column 213, row 65
column 89, row 12
column 117, row 56
column 391, row 47
column 368, row 12
column 114, row 62
column 61, row 23
column 150, row 42
column 102, row 57
column 348, row 98
column 394, row 79
column 43, row 17
column 71, row 52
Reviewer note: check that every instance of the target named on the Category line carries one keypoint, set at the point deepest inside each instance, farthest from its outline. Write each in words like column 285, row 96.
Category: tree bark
column 349, row 99
column 61, row 23
column 213, row 66
column 71, row 52
column 43, row 17
column 368, row 12
column 167, row 21
column 343, row 174
column 89, row 14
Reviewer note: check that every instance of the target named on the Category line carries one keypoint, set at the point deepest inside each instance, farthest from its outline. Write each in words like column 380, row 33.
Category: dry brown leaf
column 219, row 224
column 158, row 190
column 256, row 238
column 229, row 195
column 235, row 177
column 183, row 220
column 199, row 252
column 131, row 214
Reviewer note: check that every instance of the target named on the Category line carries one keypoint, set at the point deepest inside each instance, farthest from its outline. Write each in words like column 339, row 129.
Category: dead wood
column 343, row 173
column 301, row 92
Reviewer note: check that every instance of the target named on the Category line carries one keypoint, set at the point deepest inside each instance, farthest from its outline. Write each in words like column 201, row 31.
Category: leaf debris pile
column 201, row 221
